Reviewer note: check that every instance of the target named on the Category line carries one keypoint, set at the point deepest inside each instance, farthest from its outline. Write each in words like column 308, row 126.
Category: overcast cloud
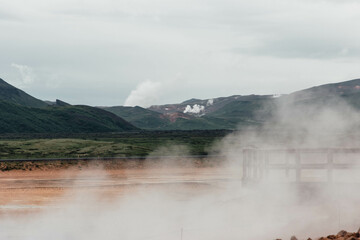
column 100, row 52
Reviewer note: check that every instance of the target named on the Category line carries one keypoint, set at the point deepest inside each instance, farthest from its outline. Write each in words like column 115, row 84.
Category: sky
column 146, row 52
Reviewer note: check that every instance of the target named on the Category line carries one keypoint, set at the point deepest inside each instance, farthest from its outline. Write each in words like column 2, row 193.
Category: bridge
column 299, row 165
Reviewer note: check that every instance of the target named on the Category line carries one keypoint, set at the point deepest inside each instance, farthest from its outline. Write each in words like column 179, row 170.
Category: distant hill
column 246, row 110
column 208, row 105
column 339, row 89
column 68, row 119
column 328, row 94
column 237, row 111
column 57, row 103
column 140, row 117
column 22, row 113
column 197, row 114
column 12, row 94
column 222, row 113
column 151, row 120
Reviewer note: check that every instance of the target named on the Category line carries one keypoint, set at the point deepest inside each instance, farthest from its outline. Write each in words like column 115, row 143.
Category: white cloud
column 210, row 102
column 26, row 73
column 145, row 94
column 220, row 47
column 196, row 109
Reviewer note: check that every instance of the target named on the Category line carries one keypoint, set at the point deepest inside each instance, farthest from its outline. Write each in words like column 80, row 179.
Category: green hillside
column 140, row 117
column 21, row 112
column 201, row 123
column 242, row 111
column 150, row 120
column 226, row 113
column 251, row 111
column 341, row 88
column 12, row 94
column 328, row 95
column 69, row 119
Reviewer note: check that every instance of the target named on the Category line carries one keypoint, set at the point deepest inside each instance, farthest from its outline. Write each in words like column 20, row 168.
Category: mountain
column 22, row 113
column 238, row 111
column 334, row 89
column 202, row 105
column 219, row 113
column 12, row 94
column 245, row 110
column 214, row 107
column 140, row 117
column 15, row 118
column 328, row 94
column 57, row 103
column 151, row 120
column 197, row 114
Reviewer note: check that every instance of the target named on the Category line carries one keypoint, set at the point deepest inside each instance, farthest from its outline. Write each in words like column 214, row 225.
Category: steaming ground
column 181, row 200
column 159, row 203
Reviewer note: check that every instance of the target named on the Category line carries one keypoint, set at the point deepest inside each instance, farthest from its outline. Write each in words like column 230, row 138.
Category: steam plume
column 145, row 94
column 196, row 109
column 215, row 205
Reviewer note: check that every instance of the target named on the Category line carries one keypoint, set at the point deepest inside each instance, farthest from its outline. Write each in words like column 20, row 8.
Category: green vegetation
column 110, row 145
column 68, row 119
column 202, row 123
column 140, row 117
column 237, row 111
column 11, row 94
column 22, row 113
column 242, row 112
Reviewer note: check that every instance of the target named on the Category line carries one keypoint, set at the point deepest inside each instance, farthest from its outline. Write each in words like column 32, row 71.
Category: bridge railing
column 257, row 163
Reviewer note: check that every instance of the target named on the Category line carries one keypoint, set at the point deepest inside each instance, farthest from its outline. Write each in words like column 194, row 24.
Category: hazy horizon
column 181, row 101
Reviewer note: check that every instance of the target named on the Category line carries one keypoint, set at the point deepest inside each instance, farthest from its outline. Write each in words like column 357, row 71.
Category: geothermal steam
column 145, row 94
column 221, row 209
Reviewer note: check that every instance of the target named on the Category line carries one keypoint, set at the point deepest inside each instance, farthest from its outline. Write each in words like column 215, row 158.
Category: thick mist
column 221, row 208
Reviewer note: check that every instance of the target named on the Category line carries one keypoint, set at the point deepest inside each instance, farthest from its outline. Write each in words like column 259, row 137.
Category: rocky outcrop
column 342, row 235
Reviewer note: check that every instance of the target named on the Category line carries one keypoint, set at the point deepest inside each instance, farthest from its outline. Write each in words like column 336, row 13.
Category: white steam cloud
column 210, row 102
column 145, row 94
column 196, row 109
column 209, row 206
column 26, row 73
column 214, row 205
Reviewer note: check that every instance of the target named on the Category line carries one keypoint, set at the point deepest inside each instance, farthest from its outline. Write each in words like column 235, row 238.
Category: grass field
column 110, row 145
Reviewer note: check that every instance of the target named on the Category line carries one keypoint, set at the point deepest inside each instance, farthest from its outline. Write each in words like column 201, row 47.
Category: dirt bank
column 342, row 235
column 130, row 163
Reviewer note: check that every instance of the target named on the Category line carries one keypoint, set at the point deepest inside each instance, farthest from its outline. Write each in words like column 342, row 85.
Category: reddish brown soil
column 342, row 235
column 46, row 187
